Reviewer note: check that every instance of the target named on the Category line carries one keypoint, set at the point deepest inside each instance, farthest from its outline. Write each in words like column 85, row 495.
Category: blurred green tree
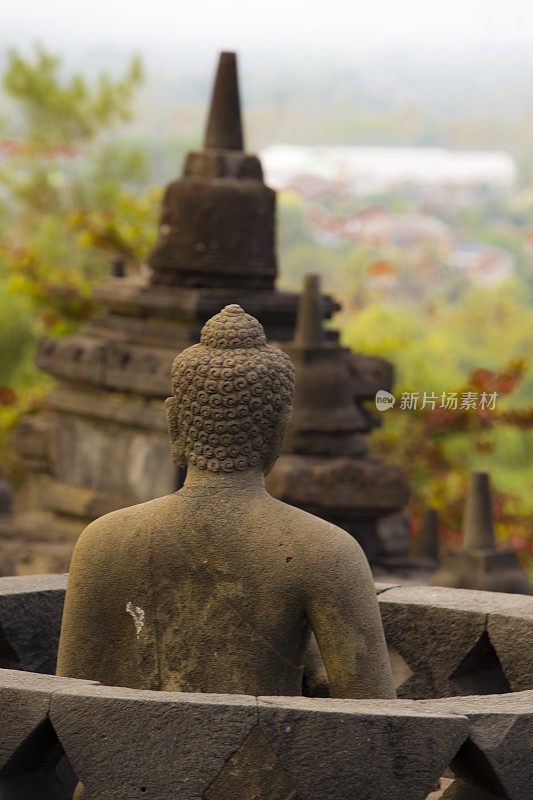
column 73, row 196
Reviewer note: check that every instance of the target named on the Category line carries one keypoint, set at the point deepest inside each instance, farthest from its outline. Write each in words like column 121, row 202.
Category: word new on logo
column 384, row 400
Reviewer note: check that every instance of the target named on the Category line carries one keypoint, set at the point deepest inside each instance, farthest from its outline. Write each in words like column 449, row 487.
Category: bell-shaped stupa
column 218, row 220
column 325, row 468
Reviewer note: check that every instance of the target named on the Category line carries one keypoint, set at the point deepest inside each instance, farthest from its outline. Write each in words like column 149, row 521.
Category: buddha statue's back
column 218, row 587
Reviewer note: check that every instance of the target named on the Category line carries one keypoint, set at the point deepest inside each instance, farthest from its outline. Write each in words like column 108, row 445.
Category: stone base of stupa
column 486, row 569
column 352, row 493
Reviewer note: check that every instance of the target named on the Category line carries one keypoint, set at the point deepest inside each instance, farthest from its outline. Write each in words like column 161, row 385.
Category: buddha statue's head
column 231, row 397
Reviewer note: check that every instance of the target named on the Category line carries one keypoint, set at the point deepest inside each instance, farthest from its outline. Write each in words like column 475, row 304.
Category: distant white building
column 362, row 171
column 408, row 232
column 483, row 265
column 384, row 229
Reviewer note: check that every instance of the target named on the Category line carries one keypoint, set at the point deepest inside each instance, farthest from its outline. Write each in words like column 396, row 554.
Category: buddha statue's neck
column 203, row 481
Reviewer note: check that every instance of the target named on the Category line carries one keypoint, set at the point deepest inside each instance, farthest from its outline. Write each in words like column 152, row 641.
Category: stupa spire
column 308, row 331
column 224, row 125
column 478, row 526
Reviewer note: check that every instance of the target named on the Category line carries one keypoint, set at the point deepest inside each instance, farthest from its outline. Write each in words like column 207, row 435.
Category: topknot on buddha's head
column 232, row 395
column 232, row 329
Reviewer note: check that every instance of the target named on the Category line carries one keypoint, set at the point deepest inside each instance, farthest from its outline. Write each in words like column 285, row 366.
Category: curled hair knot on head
column 229, row 393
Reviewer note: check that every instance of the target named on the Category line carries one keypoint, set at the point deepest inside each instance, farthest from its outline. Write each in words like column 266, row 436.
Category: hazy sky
column 449, row 24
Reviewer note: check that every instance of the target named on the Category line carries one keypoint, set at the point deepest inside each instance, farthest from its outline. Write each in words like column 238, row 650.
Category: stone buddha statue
column 219, row 587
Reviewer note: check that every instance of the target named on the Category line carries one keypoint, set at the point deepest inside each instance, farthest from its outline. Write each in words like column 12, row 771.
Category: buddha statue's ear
column 175, row 433
column 278, row 437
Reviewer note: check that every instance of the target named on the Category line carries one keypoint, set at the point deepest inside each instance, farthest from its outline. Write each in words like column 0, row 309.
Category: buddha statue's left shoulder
column 103, row 534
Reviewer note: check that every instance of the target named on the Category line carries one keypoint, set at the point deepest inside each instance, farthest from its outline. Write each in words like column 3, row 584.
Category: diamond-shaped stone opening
column 472, row 767
column 253, row 773
column 39, row 769
column 480, row 671
column 401, row 671
column 472, row 777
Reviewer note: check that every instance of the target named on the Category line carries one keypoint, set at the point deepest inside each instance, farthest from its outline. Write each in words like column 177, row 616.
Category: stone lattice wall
column 125, row 743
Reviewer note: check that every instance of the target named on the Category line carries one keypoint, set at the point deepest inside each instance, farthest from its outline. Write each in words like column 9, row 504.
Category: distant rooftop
column 368, row 169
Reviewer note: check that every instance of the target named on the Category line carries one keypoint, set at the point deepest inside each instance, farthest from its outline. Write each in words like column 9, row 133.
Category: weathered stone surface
column 442, row 635
column 323, row 402
column 131, row 300
column 75, row 358
column 116, row 741
column 350, row 492
column 393, row 536
column 253, row 773
column 462, row 790
column 218, row 229
column 332, row 745
column 111, row 460
column 359, row 483
column 512, row 637
column 370, row 374
column 30, row 619
column 32, row 761
column 494, row 570
column 174, row 745
column 34, row 441
column 326, row 419
column 19, row 557
column 497, row 757
column 122, row 366
column 239, row 250
column 428, row 536
column 509, row 627
column 24, row 701
column 216, row 587
column 338, row 750
column 124, row 409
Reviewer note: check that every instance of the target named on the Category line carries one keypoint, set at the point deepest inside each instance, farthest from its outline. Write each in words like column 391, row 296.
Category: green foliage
column 443, row 334
column 71, row 200
column 56, row 112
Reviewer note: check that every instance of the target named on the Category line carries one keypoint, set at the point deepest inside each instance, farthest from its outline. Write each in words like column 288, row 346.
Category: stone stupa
column 101, row 443
column 480, row 563
column 325, row 468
